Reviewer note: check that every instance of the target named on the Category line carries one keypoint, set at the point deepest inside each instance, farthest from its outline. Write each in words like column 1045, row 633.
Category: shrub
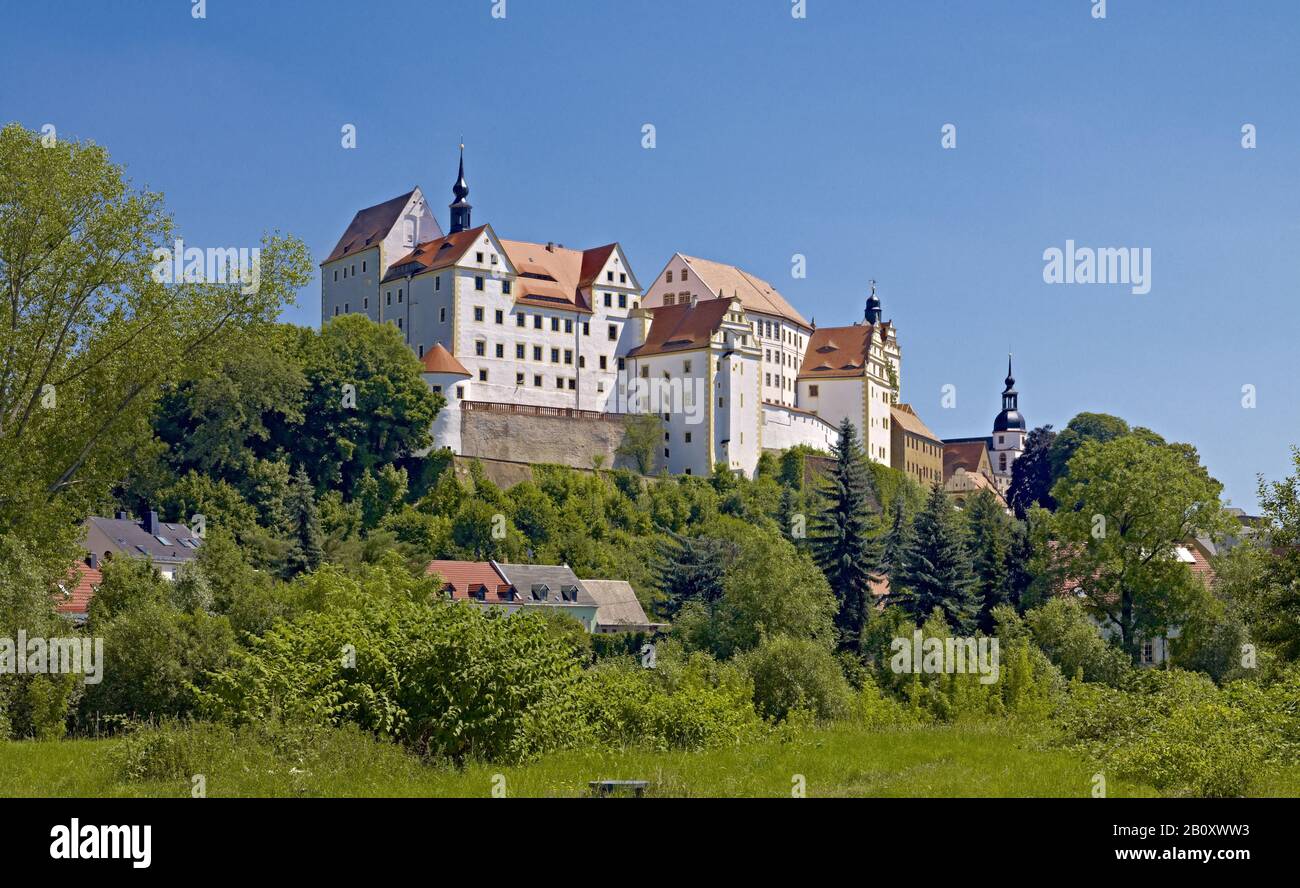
column 794, row 673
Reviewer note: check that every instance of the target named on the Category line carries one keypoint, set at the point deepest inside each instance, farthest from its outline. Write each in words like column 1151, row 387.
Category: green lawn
column 837, row 761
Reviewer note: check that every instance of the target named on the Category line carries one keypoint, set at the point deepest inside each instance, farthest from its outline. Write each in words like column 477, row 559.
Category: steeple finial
column 873, row 311
column 460, row 207
column 1011, row 380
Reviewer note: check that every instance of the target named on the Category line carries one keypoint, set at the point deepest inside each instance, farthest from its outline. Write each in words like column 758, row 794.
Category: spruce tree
column 989, row 540
column 937, row 571
column 307, row 551
column 893, row 553
column 691, row 569
column 842, row 539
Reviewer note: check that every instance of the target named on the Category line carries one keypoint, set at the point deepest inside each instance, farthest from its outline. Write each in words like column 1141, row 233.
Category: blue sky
column 775, row 136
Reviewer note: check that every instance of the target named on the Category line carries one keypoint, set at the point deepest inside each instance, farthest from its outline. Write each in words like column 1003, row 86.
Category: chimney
column 550, row 246
column 92, row 561
column 151, row 523
column 120, row 515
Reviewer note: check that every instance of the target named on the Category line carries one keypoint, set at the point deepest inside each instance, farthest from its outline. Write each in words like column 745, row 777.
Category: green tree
column 1124, row 506
column 89, row 337
column 1276, row 606
column 308, row 550
column 937, row 572
column 988, row 535
column 691, row 569
column 640, row 443
column 1031, row 474
column 843, row 537
column 1085, row 427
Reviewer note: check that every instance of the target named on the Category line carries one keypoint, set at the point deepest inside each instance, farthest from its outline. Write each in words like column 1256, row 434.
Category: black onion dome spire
column 1009, row 419
column 460, row 207
column 873, row 306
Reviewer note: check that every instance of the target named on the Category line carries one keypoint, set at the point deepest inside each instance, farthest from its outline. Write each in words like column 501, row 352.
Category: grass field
column 840, row 761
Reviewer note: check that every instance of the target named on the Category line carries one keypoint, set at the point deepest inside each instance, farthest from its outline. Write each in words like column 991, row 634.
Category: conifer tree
column 843, row 539
column 937, row 572
column 893, row 554
column 989, row 543
column 691, row 569
column 307, row 551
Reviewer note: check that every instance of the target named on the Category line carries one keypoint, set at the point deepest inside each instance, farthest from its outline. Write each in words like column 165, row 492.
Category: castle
column 716, row 353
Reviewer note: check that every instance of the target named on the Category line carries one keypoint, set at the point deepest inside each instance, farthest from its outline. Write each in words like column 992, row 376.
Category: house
column 617, row 608
column 967, row 470
column 169, row 546
column 1196, row 553
column 516, row 587
column 914, row 449
column 82, row 582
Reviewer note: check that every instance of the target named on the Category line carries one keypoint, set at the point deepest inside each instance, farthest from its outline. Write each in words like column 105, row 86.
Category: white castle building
column 730, row 367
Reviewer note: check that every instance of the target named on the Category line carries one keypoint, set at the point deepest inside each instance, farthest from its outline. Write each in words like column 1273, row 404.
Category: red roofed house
column 73, row 597
column 1196, row 554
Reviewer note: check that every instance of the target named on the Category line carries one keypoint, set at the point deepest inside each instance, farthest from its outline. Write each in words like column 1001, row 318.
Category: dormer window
column 541, row 592
column 569, row 593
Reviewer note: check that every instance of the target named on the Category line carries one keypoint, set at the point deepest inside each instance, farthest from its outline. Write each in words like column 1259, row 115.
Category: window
column 336, row 274
column 482, row 376
column 399, row 323
column 347, row 308
column 586, row 328
column 555, row 325
column 363, row 266
column 399, row 297
column 568, row 356
column 622, row 300
column 622, row 278
column 336, row 311
column 622, row 362
column 478, row 283
column 573, row 384
column 537, row 322
column 582, row 362
column 437, row 283
column 555, row 356
column 1148, row 652
column 493, row 257
column 537, row 352
column 421, row 351
column 813, row 391
column 500, row 316
column 685, row 275
column 501, row 350
column 613, row 332
column 365, row 303
column 478, row 257
column 688, row 437
column 686, row 366
column 665, row 453
column 519, row 379
column 460, row 392
column 559, row 382
column 478, row 313
column 669, row 278
column 480, row 348
column 669, row 299
column 609, row 276
column 604, row 363
column 442, row 315
column 568, row 325
column 519, row 320
column 505, row 285
column 388, row 297
column 537, row 380
column 519, row 351
column 609, row 300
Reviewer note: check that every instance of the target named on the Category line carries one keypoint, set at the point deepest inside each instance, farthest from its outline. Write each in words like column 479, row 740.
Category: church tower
column 460, row 207
column 1008, row 440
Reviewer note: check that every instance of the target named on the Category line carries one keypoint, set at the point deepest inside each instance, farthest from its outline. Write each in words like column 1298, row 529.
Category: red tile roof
column 906, row 417
column 756, row 294
column 677, row 328
column 439, row 360
column 835, row 352
column 463, row 579
column 436, row 254
column 79, row 588
column 968, row 455
column 370, row 226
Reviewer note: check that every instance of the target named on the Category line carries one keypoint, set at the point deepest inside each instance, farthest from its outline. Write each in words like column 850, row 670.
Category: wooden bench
column 604, row 788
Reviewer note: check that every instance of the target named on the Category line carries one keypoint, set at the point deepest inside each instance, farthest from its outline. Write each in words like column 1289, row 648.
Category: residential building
column 169, row 546
column 618, row 609
column 516, row 587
